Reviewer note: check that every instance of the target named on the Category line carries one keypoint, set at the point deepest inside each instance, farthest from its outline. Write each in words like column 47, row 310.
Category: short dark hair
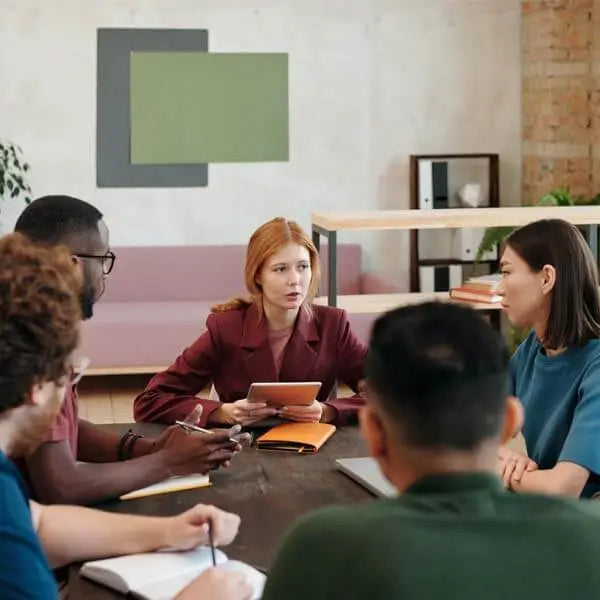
column 55, row 219
column 39, row 316
column 575, row 302
column 441, row 372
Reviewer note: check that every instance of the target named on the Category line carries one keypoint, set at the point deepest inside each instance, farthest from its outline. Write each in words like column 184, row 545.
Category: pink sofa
column 157, row 300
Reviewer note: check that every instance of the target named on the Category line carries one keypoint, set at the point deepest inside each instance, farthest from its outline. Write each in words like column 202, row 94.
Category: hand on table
column 190, row 529
column 303, row 414
column 512, row 464
column 242, row 412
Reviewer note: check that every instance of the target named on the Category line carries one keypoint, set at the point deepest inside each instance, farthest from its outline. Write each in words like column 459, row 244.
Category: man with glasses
column 79, row 463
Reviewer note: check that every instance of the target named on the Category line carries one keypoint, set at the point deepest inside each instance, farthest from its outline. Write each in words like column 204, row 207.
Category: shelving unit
column 329, row 224
column 435, row 181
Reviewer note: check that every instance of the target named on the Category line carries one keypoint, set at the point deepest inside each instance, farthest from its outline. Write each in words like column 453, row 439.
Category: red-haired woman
column 275, row 335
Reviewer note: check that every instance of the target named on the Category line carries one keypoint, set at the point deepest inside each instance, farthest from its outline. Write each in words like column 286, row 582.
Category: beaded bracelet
column 122, row 443
column 128, row 450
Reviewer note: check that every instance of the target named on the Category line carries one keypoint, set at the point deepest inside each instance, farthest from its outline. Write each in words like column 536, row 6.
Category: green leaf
column 558, row 197
column 515, row 336
column 548, row 200
column 13, row 173
column 492, row 238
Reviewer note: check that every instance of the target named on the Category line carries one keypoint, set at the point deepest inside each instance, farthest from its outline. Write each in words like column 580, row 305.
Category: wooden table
column 269, row 490
column 328, row 224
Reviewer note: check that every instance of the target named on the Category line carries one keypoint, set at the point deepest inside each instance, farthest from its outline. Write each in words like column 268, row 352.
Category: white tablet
column 284, row 393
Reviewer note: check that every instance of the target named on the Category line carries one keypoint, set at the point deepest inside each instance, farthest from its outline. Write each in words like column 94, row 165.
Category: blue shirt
column 561, row 397
column 24, row 570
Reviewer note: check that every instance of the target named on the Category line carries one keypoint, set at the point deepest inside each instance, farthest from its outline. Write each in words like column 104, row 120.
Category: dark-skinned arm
column 98, row 445
column 57, row 478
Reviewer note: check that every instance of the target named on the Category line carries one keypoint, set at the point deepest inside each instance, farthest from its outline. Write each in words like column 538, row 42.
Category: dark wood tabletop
column 269, row 490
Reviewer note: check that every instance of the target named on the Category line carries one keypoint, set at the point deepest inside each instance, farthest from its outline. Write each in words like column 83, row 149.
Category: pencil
column 190, row 427
column 212, row 543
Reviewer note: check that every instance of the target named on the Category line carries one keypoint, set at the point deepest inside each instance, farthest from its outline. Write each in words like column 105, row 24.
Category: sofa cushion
column 152, row 334
column 182, row 273
column 141, row 334
column 175, row 273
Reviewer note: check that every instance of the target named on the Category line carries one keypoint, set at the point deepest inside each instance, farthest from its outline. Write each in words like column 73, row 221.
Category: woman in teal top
column 550, row 285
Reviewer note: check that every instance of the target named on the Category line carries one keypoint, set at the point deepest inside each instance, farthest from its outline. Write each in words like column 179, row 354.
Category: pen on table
column 211, row 541
column 191, row 427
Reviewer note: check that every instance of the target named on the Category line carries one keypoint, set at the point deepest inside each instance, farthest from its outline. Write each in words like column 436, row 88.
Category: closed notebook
column 162, row 575
column 304, row 438
column 172, row 484
column 482, row 297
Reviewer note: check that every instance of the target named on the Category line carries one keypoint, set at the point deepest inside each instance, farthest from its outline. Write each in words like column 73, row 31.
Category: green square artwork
column 198, row 107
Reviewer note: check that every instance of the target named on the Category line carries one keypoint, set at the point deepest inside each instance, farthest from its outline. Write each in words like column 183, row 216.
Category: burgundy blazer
column 235, row 351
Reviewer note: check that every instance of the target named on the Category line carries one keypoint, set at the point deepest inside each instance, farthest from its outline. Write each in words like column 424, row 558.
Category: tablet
column 284, row 394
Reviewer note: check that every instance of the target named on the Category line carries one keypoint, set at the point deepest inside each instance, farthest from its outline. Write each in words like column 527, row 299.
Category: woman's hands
column 512, row 464
column 242, row 412
column 303, row 414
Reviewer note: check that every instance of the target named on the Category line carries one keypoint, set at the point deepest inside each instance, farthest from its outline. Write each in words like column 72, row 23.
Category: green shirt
column 447, row 537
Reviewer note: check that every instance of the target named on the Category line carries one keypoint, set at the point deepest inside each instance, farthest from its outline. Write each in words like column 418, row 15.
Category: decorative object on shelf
column 470, row 195
column 494, row 236
column 449, row 181
column 14, row 172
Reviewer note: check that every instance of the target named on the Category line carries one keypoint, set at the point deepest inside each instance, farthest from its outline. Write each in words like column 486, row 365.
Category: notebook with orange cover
column 304, row 438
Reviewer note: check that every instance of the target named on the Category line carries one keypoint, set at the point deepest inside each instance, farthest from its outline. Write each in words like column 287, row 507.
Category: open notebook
column 162, row 575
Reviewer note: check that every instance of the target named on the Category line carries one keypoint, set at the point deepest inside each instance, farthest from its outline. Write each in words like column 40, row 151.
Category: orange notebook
column 304, row 438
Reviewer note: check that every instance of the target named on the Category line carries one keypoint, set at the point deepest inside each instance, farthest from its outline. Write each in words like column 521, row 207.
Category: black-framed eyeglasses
column 108, row 260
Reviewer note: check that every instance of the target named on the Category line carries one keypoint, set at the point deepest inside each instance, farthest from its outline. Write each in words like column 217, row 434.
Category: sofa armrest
column 375, row 283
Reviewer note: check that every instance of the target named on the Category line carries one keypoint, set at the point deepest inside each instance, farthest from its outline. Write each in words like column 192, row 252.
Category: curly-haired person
column 39, row 320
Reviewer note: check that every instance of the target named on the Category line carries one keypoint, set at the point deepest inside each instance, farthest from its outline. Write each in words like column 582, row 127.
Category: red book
column 481, row 296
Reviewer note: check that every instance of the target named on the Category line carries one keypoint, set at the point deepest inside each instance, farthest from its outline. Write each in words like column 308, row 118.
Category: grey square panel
column 113, row 165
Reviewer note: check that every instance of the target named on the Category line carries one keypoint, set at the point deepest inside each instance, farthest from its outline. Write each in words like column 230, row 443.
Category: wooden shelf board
column 141, row 370
column 452, row 218
column 379, row 303
column 446, row 262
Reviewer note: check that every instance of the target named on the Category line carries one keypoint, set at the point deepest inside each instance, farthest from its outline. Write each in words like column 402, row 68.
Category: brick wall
column 560, row 96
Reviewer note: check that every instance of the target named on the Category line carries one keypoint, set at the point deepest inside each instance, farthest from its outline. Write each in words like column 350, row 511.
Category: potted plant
column 494, row 236
column 13, row 174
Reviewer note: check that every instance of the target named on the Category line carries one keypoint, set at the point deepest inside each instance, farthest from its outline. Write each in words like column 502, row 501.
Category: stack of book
column 483, row 289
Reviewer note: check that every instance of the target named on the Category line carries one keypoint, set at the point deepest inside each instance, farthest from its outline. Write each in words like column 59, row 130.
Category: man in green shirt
column 436, row 413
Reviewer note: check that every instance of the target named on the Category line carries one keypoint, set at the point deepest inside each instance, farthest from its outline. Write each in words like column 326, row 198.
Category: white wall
column 371, row 81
